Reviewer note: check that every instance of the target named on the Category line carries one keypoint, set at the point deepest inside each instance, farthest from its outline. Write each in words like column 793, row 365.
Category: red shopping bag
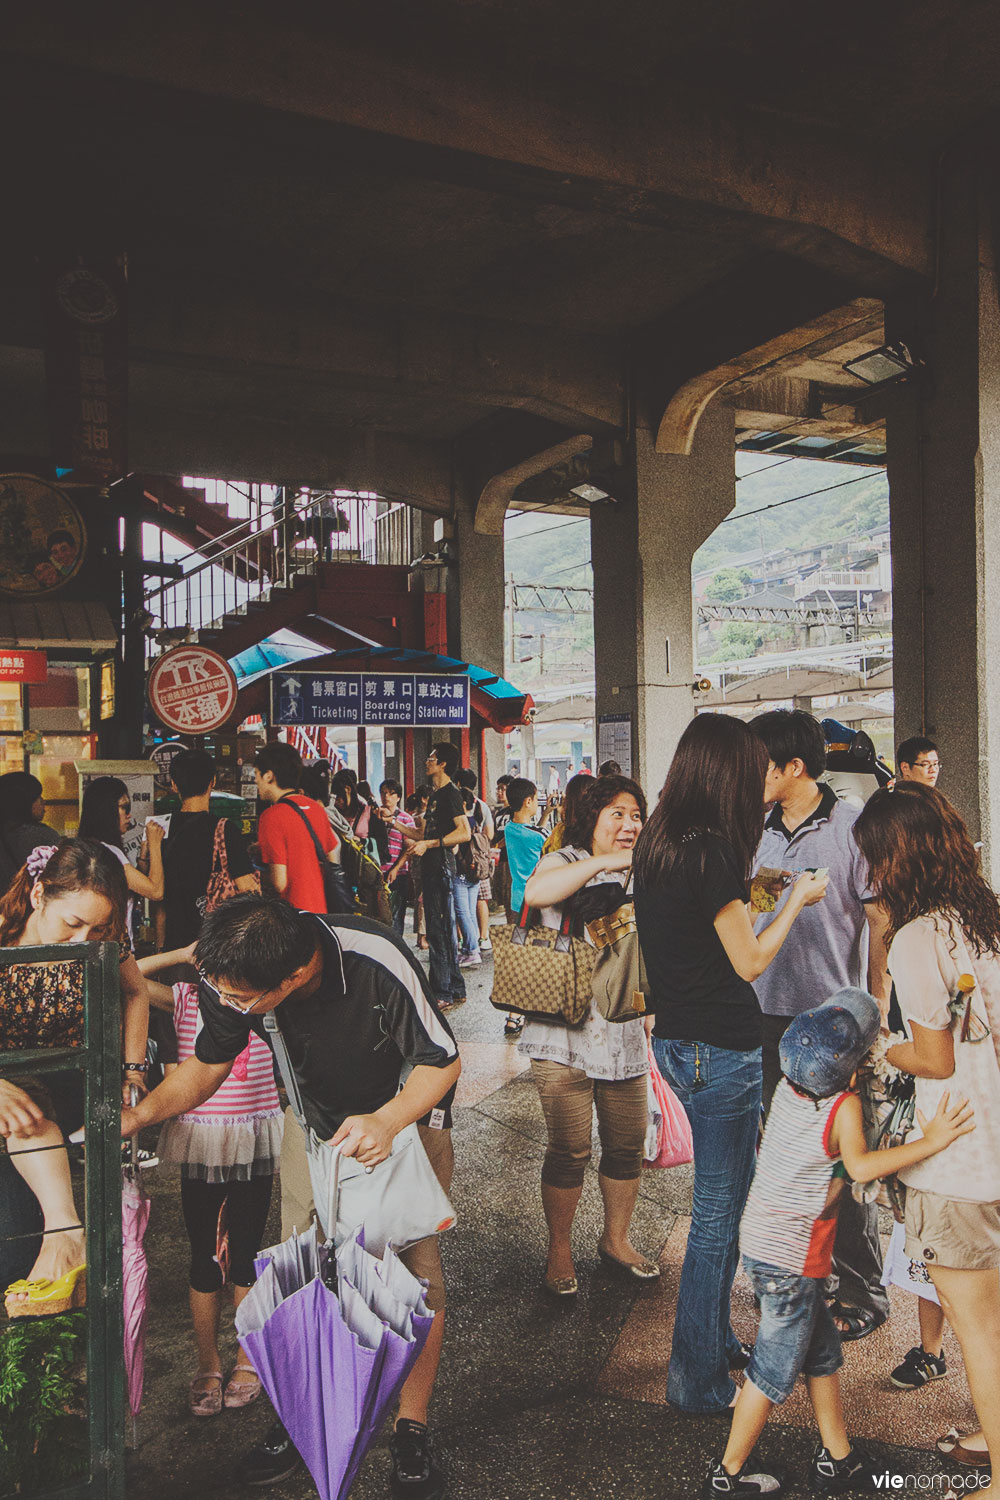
column 676, row 1145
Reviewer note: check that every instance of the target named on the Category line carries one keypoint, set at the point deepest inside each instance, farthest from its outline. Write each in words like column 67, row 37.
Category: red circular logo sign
column 192, row 690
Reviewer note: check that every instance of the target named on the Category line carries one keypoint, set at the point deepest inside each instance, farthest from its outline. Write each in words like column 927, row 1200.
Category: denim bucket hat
column 823, row 1047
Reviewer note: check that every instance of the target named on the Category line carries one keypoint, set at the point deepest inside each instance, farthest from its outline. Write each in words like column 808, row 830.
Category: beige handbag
column 542, row 973
column 619, row 980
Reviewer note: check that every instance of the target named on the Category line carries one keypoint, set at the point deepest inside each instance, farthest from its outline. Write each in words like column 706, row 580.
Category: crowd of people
column 805, row 961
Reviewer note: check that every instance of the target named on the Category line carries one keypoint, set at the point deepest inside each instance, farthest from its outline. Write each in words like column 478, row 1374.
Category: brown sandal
column 951, row 1446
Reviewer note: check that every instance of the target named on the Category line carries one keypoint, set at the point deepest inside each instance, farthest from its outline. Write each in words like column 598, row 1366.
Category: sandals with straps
column 206, row 1403
column 240, row 1393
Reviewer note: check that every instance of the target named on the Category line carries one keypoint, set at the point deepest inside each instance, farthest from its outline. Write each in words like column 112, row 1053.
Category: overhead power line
column 776, row 504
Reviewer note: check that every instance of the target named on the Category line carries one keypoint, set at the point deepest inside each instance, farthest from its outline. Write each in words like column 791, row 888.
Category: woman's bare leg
column 970, row 1300
column 47, row 1174
column 560, row 1205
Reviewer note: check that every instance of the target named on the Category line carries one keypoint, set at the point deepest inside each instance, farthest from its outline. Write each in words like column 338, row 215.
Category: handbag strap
column 219, row 851
column 320, row 851
column 288, row 1078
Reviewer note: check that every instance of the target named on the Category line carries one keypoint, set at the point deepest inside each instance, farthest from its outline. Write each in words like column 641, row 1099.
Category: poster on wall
column 139, row 777
column 614, row 740
column 43, row 540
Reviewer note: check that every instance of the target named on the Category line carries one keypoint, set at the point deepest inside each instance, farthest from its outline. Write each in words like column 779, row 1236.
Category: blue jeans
column 720, row 1092
column 466, row 897
column 446, row 979
column 797, row 1334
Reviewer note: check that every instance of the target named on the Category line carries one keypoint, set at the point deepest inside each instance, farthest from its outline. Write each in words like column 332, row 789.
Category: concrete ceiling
column 353, row 227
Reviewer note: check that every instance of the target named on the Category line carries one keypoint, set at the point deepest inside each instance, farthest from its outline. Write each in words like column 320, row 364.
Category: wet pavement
column 535, row 1401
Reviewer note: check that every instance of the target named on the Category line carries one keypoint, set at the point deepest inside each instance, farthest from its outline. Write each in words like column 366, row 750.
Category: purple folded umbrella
column 331, row 1363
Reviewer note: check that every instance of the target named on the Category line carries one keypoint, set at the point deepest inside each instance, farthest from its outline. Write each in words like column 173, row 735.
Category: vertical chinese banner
column 86, row 366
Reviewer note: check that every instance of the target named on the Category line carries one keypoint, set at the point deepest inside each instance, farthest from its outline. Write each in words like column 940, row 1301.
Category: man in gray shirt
column 840, row 942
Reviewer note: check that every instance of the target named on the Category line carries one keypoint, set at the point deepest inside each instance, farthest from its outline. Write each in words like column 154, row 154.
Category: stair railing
column 262, row 552
column 243, row 565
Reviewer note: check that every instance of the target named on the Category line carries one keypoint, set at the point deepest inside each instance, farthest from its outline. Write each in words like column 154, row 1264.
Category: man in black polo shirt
column 355, row 1014
column 445, row 825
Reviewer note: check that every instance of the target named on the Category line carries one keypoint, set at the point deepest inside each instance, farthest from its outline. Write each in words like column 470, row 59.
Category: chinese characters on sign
column 404, row 700
column 23, row 666
column 86, row 368
column 192, row 690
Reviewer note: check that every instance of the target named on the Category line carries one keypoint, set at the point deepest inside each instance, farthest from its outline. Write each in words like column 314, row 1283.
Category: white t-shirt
column 925, row 960
column 608, row 1050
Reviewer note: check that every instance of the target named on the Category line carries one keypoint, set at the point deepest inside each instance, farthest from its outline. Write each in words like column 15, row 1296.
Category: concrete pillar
column 944, row 483
column 641, row 552
column 476, row 610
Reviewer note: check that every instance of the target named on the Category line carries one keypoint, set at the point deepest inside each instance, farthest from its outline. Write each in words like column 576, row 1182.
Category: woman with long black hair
column 692, row 869
column 22, row 808
column 104, row 815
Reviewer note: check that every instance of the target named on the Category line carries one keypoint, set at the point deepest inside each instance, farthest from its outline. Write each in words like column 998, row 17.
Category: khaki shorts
column 298, row 1210
column 949, row 1232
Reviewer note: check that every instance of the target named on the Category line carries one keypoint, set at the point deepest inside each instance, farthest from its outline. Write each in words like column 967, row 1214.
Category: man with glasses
column 918, row 759
column 356, row 1018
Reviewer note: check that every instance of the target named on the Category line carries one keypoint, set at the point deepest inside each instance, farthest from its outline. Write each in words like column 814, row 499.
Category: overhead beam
column 498, row 492
column 776, row 356
column 448, row 92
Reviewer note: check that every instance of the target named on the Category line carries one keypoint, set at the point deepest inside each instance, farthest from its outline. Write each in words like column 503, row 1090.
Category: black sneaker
column 719, row 1482
column 415, row 1474
column 835, row 1476
column 271, row 1460
column 918, row 1368
column 739, row 1359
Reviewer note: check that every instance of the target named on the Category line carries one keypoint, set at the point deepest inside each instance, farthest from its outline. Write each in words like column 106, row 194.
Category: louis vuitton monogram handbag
column 542, row 973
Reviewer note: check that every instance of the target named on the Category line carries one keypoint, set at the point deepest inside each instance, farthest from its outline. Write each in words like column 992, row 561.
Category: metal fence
column 99, row 1060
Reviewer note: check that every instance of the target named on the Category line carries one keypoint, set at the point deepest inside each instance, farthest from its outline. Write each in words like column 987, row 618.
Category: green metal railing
column 99, row 1059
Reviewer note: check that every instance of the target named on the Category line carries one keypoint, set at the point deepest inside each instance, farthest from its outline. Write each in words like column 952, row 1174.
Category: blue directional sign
column 372, row 699
column 388, row 700
column 441, row 700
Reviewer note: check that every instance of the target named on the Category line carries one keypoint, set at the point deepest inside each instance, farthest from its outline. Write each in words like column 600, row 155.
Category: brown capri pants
column 298, row 1210
column 568, row 1098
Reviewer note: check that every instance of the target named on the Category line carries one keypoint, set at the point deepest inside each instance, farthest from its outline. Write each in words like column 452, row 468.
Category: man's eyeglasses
column 227, row 998
column 927, row 765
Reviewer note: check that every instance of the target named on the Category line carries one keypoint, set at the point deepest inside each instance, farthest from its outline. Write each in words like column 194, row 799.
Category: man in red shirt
column 288, row 854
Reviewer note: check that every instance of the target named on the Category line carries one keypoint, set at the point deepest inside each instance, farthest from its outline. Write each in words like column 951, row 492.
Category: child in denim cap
column 814, row 1142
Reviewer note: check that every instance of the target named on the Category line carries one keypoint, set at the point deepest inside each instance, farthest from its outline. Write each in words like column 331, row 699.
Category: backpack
column 367, row 881
column 472, row 860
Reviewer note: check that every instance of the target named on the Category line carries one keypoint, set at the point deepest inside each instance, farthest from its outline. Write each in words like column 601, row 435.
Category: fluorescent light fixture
column 881, row 365
column 589, row 492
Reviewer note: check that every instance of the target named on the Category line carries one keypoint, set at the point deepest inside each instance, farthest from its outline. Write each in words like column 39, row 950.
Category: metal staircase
column 283, row 567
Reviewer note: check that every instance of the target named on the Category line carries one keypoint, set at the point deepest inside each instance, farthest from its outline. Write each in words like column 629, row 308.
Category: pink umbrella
column 135, row 1275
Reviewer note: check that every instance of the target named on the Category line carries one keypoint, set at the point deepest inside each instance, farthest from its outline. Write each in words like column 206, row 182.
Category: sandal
column 861, row 1321
column 513, row 1026
column 240, row 1393
column 207, row 1403
column 951, row 1446
column 38, row 1298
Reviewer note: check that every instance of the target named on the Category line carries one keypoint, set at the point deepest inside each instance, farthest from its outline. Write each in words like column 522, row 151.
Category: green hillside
column 556, row 550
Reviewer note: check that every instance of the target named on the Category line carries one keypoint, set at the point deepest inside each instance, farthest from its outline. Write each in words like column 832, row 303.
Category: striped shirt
column 790, row 1219
column 249, row 1092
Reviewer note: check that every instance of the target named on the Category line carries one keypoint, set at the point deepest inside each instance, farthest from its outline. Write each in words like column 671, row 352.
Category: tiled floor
column 535, row 1401
column 637, row 1367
